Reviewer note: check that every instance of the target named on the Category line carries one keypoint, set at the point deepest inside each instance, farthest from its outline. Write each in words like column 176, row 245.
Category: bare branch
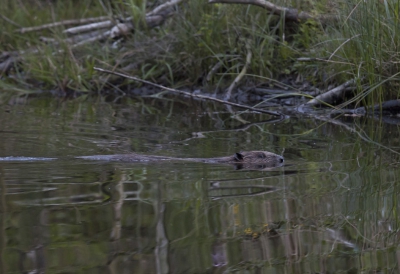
column 328, row 96
column 189, row 94
column 64, row 23
column 89, row 27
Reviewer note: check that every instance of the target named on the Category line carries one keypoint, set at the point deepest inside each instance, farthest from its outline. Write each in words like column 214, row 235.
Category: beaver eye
column 261, row 155
column 239, row 157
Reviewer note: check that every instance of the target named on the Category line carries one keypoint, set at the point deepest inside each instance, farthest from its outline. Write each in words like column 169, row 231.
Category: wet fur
column 246, row 159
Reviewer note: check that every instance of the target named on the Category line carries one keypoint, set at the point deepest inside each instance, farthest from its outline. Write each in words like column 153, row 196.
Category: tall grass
column 48, row 65
column 180, row 52
column 365, row 46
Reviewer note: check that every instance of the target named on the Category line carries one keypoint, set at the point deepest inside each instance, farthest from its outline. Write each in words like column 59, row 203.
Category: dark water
column 331, row 208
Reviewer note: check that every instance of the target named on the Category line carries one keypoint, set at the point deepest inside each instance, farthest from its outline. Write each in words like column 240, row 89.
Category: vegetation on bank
column 203, row 44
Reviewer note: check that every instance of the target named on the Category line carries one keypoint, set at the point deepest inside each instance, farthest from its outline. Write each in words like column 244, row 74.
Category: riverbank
column 220, row 47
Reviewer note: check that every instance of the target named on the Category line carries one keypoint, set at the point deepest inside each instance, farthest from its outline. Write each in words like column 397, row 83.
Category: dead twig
column 311, row 59
column 189, row 94
column 89, row 27
column 63, row 23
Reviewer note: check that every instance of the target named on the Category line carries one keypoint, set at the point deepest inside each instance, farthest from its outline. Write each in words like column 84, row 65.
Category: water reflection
column 332, row 207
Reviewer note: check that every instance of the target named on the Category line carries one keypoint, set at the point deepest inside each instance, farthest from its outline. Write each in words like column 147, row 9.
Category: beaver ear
column 262, row 155
column 238, row 156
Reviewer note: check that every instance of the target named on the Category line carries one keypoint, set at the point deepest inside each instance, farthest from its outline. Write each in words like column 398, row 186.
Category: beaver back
column 257, row 157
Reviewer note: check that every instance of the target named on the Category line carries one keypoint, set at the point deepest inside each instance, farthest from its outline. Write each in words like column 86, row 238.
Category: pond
column 331, row 208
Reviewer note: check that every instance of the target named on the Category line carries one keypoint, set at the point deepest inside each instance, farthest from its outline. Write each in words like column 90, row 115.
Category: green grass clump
column 364, row 46
column 45, row 65
column 182, row 51
column 200, row 35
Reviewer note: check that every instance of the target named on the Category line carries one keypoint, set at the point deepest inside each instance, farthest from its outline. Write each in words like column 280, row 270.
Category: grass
column 365, row 47
column 48, row 66
column 361, row 45
column 181, row 52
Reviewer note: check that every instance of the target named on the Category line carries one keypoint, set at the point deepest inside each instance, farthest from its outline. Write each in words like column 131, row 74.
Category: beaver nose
column 281, row 160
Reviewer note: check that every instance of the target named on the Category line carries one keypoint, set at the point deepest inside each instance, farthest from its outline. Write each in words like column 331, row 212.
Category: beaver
column 241, row 160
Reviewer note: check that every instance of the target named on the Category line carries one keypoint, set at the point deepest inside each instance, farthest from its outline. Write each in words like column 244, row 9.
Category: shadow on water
column 331, row 207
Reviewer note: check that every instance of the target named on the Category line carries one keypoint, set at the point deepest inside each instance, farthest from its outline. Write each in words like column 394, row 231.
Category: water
column 331, row 208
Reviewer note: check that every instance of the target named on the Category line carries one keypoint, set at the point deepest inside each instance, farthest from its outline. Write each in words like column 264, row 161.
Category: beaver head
column 257, row 159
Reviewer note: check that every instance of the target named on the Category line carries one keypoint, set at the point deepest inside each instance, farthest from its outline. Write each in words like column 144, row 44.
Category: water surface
column 331, row 208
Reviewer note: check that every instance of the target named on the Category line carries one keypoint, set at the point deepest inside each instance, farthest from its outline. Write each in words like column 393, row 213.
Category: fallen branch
column 329, row 96
column 63, row 23
column 188, row 93
column 89, row 27
column 288, row 13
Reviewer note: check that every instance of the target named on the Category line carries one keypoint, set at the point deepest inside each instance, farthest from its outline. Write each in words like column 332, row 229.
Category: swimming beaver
column 246, row 159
